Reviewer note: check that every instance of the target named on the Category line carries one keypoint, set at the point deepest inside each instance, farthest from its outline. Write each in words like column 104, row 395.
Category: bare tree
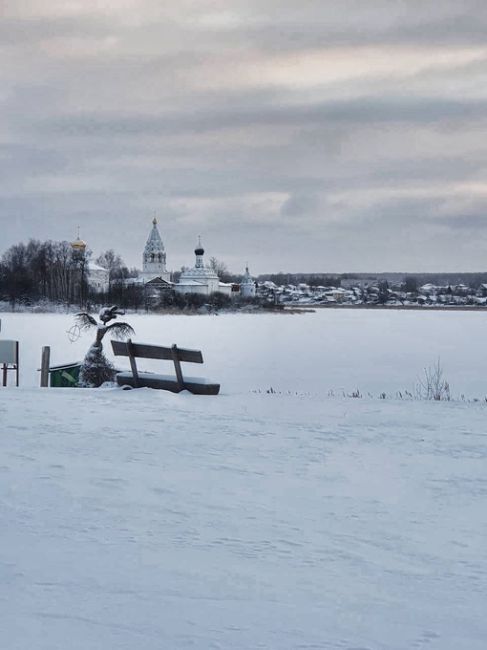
column 113, row 262
column 220, row 269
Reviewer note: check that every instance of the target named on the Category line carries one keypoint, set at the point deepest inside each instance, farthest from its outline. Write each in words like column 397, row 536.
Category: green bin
column 65, row 376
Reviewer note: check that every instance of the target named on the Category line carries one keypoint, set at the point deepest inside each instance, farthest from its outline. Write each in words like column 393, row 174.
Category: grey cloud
column 15, row 32
column 106, row 137
column 291, row 26
column 357, row 111
column 470, row 221
column 298, row 205
column 455, row 31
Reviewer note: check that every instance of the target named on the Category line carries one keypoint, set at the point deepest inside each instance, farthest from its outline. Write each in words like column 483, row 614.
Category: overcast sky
column 297, row 135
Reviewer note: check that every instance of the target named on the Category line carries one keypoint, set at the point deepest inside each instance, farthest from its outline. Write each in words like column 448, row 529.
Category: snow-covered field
column 142, row 519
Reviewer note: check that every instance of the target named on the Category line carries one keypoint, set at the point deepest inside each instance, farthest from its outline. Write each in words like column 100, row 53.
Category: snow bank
column 143, row 519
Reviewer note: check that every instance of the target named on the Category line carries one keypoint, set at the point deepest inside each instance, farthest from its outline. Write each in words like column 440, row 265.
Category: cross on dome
column 78, row 244
column 199, row 250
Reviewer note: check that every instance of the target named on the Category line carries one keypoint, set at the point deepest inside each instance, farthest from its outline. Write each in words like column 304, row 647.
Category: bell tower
column 154, row 256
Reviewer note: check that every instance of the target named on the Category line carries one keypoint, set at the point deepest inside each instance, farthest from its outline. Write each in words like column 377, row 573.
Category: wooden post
column 4, row 374
column 45, row 360
column 18, row 361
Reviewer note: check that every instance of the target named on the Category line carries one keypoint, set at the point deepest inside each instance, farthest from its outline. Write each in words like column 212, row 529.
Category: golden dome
column 78, row 244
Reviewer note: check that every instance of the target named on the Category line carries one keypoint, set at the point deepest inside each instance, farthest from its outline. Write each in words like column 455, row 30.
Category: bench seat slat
column 195, row 385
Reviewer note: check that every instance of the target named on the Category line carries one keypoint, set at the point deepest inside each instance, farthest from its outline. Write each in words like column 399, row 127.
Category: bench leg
column 177, row 366
column 133, row 364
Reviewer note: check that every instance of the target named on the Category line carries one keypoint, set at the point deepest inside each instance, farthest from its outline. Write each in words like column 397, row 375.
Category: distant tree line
column 191, row 301
column 472, row 280
column 52, row 271
column 311, row 279
column 145, row 297
column 40, row 270
column 410, row 282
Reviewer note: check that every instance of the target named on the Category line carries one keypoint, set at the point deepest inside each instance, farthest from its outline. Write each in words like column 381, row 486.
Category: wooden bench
column 176, row 383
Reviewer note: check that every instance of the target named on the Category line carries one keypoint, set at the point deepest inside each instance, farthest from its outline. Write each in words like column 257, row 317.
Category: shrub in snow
column 96, row 369
column 432, row 384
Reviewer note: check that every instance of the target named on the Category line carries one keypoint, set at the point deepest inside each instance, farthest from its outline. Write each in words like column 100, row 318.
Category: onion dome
column 199, row 272
column 78, row 244
column 199, row 250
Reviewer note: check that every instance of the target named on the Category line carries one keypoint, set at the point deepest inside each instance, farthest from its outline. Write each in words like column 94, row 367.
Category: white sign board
column 9, row 351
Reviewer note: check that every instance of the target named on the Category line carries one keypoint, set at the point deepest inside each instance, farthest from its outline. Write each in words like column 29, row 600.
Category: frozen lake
column 330, row 350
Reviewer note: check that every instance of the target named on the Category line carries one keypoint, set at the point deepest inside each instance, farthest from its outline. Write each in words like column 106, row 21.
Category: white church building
column 201, row 279
column 98, row 277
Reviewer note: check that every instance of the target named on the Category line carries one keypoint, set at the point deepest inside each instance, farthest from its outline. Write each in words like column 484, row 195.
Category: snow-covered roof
column 199, row 273
column 189, row 282
column 92, row 266
column 158, row 280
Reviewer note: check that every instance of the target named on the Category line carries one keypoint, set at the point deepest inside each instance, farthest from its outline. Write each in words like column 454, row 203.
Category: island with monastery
column 158, row 285
column 63, row 275
column 201, row 282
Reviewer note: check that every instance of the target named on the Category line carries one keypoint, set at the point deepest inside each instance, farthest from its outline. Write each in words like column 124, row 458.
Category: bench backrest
column 146, row 351
column 9, row 351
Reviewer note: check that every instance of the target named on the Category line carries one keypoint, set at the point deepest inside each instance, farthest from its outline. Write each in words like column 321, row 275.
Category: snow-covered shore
column 151, row 520
column 143, row 519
